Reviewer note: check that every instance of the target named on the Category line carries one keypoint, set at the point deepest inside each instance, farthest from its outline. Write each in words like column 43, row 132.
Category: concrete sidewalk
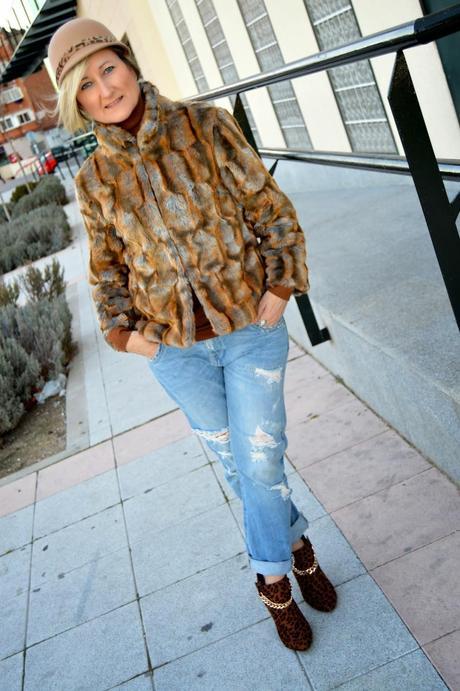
column 124, row 565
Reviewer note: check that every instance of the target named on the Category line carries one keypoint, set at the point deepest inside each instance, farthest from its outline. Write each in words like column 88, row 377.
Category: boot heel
column 293, row 629
column 314, row 585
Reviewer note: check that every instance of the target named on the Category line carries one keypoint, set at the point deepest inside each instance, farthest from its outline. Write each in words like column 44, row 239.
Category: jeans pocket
column 268, row 328
column 157, row 354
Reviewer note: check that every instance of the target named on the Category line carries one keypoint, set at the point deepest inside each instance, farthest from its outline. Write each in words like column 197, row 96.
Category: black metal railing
column 420, row 162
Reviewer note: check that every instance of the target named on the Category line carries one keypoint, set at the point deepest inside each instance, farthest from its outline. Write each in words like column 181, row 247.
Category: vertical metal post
column 315, row 334
column 438, row 211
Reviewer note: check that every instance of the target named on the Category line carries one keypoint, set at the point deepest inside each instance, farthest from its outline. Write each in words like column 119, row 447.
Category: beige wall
column 137, row 21
column 155, row 42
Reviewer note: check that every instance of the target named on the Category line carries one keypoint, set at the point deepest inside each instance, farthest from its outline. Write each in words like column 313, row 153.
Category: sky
column 4, row 10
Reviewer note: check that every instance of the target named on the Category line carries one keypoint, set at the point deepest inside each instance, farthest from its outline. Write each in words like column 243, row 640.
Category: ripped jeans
column 231, row 389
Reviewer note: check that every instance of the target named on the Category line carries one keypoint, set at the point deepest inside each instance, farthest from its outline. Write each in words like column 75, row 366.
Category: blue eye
column 109, row 67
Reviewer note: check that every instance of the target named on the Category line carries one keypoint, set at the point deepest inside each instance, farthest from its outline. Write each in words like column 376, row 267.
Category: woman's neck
column 133, row 121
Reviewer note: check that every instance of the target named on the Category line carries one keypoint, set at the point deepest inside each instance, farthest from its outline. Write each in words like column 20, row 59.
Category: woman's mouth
column 114, row 103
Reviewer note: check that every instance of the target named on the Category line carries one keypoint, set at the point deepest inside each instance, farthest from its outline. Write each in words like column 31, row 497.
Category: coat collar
column 115, row 138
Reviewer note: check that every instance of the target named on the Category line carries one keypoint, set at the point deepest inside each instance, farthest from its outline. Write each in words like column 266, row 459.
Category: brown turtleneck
column 119, row 335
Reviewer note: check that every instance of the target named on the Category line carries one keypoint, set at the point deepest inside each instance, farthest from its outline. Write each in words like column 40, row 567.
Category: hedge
column 35, row 339
column 34, row 235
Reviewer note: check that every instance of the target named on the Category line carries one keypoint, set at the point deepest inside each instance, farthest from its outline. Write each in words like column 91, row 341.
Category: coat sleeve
column 107, row 273
column 265, row 207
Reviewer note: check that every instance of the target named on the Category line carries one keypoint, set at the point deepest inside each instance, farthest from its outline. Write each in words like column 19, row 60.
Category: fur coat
column 186, row 202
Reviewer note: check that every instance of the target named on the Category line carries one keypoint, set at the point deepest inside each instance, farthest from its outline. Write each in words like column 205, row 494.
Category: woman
column 194, row 252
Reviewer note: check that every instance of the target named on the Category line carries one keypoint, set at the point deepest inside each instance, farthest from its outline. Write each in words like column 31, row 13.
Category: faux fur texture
column 185, row 203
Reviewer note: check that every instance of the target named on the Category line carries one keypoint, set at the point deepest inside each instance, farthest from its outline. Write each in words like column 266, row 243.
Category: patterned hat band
column 78, row 46
column 75, row 40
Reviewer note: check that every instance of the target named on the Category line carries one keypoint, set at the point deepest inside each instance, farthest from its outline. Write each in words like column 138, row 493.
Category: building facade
column 188, row 46
column 24, row 108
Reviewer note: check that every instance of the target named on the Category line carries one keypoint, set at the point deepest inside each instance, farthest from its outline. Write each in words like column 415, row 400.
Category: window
column 223, row 56
column 358, row 98
column 24, row 117
column 11, row 94
column 187, row 44
column 7, row 124
column 269, row 56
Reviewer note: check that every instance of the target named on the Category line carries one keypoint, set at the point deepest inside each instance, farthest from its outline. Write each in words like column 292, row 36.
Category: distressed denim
column 231, row 389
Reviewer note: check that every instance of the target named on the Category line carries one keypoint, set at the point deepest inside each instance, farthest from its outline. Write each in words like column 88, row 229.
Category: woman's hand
column 137, row 343
column 271, row 308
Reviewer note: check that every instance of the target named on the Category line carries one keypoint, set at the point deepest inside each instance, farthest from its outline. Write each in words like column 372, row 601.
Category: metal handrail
column 385, row 163
column 420, row 162
column 414, row 33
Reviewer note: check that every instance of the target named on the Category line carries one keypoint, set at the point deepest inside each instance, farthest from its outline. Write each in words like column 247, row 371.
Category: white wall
column 158, row 50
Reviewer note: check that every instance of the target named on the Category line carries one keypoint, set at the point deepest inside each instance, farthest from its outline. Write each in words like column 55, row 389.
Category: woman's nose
column 105, row 90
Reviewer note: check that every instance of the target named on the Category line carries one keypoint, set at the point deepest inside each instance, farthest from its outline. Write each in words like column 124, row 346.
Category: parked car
column 62, row 152
column 86, row 142
column 46, row 163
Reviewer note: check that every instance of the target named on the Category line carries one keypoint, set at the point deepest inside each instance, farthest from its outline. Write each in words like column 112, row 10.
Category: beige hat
column 75, row 40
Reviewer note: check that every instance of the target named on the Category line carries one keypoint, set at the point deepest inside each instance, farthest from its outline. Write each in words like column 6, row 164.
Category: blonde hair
column 70, row 115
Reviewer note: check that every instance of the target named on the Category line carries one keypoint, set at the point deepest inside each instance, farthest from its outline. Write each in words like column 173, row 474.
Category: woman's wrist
column 138, row 344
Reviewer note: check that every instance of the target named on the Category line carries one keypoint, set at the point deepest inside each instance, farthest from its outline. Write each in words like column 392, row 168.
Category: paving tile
column 14, row 572
column 330, row 432
column 303, row 371
column 411, row 672
column 94, row 656
column 71, row 505
column 134, row 396
column 425, row 588
column 160, row 466
column 294, row 351
column 310, row 398
column 334, row 552
column 13, row 628
column 362, row 633
column 17, row 494
column 443, row 653
column 79, row 595
column 181, row 550
column 75, row 469
column 142, row 683
column 16, row 529
column 249, row 660
column 171, row 503
column 77, row 544
column 198, row 610
column 11, row 673
column 153, row 435
column 362, row 469
column 304, row 498
column 401, row 518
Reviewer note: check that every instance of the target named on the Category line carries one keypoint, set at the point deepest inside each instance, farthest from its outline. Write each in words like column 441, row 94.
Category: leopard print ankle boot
column 293, row 629
column 314, row 585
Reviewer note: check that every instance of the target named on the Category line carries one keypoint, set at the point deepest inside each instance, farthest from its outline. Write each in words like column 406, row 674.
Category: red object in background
column 46, row 163
column 13, row 158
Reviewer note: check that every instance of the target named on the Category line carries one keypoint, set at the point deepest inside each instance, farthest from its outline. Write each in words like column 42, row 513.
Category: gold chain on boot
column 311, row 569
column 275, row 605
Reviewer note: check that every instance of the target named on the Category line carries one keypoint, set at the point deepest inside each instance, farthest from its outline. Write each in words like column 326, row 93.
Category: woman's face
column 109, row 89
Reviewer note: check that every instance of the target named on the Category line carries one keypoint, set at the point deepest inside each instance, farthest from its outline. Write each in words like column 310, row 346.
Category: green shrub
column 35, row 340
column 43, row 329
column 9, row 293
column 21, row 191
column 35, row 234
column 38, row 285
column 19, row 373
column 3, row 217
column 48, row 191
